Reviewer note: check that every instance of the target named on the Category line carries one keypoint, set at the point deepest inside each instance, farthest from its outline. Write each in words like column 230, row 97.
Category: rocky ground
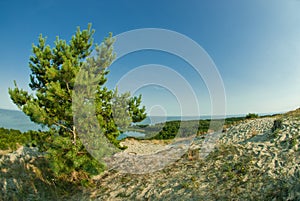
column 20, row 175
column 247, row 162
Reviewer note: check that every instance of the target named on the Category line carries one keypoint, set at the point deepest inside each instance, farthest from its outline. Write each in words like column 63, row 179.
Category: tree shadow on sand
column 27, row 177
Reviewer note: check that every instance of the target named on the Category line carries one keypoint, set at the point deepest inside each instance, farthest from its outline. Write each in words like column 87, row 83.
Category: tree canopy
column 52, row 80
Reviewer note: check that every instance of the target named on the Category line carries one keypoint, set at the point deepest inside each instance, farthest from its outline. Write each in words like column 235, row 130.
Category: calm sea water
column 12, row 119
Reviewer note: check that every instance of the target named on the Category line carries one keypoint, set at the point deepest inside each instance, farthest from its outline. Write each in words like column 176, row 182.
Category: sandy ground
column 248, row 162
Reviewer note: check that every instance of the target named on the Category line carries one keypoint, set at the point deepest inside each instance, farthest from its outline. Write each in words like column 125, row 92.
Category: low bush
column 277, row 125
column 11, row 139
column 172, row 129
column 251, row 116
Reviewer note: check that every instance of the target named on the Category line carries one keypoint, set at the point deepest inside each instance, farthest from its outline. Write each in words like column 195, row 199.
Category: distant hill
column 13, row 119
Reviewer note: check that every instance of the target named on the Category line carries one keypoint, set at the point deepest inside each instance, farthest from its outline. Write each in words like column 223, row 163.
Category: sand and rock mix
column 247, row 162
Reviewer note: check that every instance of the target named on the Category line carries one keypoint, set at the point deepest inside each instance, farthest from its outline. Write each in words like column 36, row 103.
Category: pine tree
column 52, row 80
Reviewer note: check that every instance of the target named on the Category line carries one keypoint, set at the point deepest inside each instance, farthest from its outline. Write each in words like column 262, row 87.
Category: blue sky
column 255, row 45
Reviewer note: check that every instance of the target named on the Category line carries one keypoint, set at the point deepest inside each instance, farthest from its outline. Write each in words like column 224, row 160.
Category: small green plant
column 293, row 142
column 122, row 195
column 185, row 184
column 275, row 133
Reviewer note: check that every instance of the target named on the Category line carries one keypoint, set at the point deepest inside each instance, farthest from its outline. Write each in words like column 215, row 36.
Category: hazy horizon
column 203, row 115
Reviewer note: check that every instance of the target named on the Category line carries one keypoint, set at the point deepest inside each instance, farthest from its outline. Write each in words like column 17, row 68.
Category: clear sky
column 255, row 45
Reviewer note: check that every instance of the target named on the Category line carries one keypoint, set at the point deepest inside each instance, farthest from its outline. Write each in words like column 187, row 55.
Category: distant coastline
column 14, row 119
column 160, row 119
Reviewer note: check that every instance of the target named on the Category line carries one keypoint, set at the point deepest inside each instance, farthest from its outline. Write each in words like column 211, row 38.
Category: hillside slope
column 250, row 163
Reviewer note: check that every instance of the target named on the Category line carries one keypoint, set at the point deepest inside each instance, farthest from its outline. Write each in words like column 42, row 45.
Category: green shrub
column 10, row 139
column 171, row 129
column 275, row 133
column 293, row 142
column 277, row 125
column 251, row 116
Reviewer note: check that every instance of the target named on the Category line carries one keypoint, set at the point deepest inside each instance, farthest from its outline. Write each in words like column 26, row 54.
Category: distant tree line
column 172, row 129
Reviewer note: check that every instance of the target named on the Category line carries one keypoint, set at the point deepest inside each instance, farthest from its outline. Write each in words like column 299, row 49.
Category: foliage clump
column 172, row 129
column 251, row 116
column 277, row 124
column 10, row 139
column 52, row 80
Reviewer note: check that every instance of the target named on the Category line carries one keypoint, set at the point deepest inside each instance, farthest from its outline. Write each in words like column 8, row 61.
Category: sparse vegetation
column 293, row 113
column 251, row 116
column 231, row 171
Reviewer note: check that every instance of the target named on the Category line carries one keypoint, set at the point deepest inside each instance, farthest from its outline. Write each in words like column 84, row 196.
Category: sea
column 15, row 119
